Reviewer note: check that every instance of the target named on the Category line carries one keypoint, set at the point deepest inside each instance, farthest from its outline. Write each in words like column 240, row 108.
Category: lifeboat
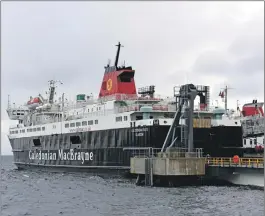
column 34, row 103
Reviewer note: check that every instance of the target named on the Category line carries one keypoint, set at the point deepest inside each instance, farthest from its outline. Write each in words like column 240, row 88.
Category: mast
column 226, row 99
column 224, row 95
column 118, row 54
column 52, row 90
column 8, row 102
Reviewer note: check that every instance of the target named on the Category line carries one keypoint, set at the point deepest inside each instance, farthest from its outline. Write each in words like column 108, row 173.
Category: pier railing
column 242, row 162
column 143, row 152
column 149, row 152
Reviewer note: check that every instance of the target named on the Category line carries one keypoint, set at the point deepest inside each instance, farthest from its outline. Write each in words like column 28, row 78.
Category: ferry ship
column 92, row 133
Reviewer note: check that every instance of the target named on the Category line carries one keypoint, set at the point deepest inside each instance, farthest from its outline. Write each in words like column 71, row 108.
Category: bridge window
column 43, row 128
column 125, row 118
column 96, row 121
column 72, row 124
column 84, row 123
column 78, row 124
column 66, row 125
column 119, row 118
column 90, row 122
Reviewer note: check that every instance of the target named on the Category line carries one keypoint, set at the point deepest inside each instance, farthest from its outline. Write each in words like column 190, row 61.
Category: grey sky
column 212, row 43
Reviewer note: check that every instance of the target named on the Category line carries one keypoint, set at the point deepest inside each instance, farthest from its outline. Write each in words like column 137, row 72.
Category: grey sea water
column 40, row 193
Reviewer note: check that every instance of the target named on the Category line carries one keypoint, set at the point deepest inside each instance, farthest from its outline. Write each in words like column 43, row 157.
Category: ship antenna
column 118, row 54
column 225, row 95
column 52, row 89
column 8, row 103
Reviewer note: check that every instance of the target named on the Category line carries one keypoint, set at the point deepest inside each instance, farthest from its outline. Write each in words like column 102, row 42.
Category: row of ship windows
column 78, row 124
column 74, row 124
column 98, row 109
column 119, row 118
column 28, row 130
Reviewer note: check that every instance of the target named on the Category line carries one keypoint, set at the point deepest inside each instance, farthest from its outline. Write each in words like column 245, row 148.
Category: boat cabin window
column 96, row 121
column 125, row 118
column 30, row 130
column 43, row 128
column 90, row 122
column 66, row 125
column 139, row 117
column 87, row 110
column 250, row 141
column 38, row 129
column 78, row 124
column 36, row 142
column 34, row 129
column 72, row 124
column 23, row 131
column 255, row 141
column 245, row 142
column 119, row 118
column 84, row 123
column 75, row 139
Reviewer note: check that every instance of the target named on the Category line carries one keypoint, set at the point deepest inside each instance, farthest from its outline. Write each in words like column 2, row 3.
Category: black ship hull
column 104, row 150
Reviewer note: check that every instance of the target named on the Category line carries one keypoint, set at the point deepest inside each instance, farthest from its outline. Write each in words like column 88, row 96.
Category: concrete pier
column 169, row 166
column 173, row 164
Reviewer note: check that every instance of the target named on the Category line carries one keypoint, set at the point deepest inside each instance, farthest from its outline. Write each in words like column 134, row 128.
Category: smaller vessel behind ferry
column 252, row 120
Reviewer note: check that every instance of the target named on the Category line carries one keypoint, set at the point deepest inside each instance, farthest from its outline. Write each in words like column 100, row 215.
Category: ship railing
column 137, row 108
column 231, row 162
column 123, row 97
column 143, row 152
column 92, row 114
column 149, row 152
column 179, row 152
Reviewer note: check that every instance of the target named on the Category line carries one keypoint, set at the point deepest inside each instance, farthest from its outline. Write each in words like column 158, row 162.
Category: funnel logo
column 109, row 84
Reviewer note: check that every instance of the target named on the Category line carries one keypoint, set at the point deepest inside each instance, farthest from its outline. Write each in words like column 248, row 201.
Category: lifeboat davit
column 34, row 103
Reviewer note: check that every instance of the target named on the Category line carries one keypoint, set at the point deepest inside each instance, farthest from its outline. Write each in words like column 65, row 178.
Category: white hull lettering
column 65, row 155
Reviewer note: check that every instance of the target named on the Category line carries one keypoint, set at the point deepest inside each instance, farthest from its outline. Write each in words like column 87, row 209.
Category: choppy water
column 80, row 194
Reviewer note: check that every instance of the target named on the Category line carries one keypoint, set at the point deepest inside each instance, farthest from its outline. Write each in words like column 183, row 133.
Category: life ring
column 236, row 159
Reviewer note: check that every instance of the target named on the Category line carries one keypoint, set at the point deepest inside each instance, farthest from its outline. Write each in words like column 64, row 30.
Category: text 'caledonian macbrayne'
column 61, row 154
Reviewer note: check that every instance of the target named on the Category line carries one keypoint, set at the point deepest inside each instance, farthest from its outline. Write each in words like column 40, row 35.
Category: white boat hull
column 245, row 176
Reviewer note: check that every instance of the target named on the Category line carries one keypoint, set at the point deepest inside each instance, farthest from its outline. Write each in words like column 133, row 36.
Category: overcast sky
column 167, row 43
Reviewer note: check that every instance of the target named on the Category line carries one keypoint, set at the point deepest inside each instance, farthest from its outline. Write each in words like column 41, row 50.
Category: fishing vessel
column 91, row 133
